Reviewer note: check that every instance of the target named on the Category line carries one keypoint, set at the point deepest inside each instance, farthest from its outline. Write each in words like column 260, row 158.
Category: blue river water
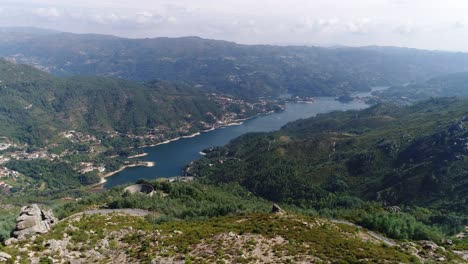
column 171, row 158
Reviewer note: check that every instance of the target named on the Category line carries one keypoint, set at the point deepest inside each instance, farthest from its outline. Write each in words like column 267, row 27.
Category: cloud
column 461, row 23
column 407, row 28
column 49, row 12
column 358, row 22
column 360, row 26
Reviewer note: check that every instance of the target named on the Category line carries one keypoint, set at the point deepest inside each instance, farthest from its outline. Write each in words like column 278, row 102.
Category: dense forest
column 452, row 85
column 398, row 156
column 242, row 70
column 35, row 106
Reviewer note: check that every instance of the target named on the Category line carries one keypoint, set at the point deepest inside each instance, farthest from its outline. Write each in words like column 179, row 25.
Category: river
column 171, row 158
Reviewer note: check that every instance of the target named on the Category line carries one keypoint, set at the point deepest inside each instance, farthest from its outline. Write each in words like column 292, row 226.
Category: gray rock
column 277, row 209
column 33, row 220
column 428, row 245
column 10, row 241
column 5, row 256
column 393, row 209
column 105, row 243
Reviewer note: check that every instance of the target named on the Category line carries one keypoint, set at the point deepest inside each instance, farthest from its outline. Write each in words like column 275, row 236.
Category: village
column 235, row 111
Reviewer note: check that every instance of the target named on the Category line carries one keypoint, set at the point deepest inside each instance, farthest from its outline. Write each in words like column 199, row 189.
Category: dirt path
column 131, row 212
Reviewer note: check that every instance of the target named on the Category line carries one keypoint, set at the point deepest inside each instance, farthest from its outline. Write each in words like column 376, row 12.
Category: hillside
column 242, row 70
column 195, row 223
column 257, row 238
column 452, row 85
column 59, row 134
column 36, row 106
column 407, row 157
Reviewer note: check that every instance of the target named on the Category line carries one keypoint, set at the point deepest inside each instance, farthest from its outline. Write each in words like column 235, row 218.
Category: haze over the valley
column 428, row 24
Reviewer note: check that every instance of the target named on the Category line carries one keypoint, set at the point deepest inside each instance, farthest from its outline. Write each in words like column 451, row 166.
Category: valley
column 361, row 152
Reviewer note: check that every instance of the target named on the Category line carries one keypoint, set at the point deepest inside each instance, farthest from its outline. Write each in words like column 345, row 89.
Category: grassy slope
column 240, row 239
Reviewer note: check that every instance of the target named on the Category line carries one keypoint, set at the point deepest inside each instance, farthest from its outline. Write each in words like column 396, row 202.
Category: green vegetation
column 7, row 223
column 410, row 156
column 35, row 106
column 241, row 239
column 452, row 85
column 246, row 71
column 176, row 200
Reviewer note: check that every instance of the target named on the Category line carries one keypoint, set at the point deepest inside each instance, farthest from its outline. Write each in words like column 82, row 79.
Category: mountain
column 242, row 70
column 451, row 85
column 413, row 156
column 36, row 106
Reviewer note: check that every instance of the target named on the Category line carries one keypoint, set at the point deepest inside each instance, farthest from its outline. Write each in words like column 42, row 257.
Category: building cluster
column 78, row 137
column 5, row 146
column 86, row 167
column 40, row 154
column 7, row 173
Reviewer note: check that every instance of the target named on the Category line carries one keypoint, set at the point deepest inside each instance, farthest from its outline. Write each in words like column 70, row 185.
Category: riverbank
column 138, row 156
column 236, row 122
column 103, row 180
column 171, row 159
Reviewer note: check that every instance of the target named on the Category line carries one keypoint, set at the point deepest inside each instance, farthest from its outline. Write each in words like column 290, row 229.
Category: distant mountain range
column 243, row 70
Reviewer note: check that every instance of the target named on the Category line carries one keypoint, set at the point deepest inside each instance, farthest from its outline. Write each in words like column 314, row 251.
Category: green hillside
column 455, row 85
column 408, row 156
column 36, row 106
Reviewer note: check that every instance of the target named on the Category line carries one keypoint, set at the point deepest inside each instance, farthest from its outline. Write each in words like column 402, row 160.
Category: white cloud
column 358, row 22
column 407, row 28
column 461, row 23
column 49, row 12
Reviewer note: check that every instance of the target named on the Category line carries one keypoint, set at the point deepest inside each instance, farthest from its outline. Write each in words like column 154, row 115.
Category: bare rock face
column 33, row 220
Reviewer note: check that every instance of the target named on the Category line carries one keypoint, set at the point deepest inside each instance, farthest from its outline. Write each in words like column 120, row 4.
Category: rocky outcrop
column 276, row 209
column 393, row 209
column 4, row 257
column 33, row 220
column 139, row 188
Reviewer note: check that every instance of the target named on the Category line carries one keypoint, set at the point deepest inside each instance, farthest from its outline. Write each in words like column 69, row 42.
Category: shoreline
column 138, row 156
column 236, row 122
column 100, row 184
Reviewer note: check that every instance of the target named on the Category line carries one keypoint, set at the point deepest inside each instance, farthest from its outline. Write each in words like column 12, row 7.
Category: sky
column 426, row 24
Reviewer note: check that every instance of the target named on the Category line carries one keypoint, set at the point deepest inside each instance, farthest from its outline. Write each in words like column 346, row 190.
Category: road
column 131, row 212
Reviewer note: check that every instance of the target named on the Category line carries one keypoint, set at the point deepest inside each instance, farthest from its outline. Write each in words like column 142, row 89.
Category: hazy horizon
column 428, row 24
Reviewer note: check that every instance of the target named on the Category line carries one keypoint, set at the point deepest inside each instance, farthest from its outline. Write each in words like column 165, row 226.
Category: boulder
column 33, row 220
column 428, row 245
column 4, row 257
column 277, row 209
column 10, row 241
column 393, row 209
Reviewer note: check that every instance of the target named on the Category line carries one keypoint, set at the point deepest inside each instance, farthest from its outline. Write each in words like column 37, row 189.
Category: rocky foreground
column 262, row 238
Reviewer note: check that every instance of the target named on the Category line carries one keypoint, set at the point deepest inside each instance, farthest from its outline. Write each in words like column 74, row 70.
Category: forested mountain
column 451, row 85
column 35, row 106
column 396, row 155
column 249, row 71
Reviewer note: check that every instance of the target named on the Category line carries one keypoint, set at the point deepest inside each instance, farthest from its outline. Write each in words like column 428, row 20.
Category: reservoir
column 171, row 158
